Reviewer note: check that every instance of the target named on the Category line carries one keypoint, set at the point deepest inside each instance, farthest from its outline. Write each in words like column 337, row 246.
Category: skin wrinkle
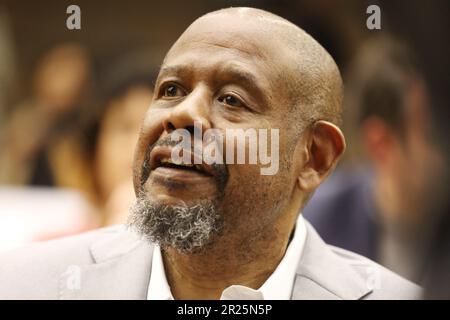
column 257, row 213
column 248, row 53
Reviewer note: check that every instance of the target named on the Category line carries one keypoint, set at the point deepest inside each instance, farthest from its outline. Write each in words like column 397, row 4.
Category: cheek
column 251, row 201
column 150, row 132
column 248, row 190
column 251, row 178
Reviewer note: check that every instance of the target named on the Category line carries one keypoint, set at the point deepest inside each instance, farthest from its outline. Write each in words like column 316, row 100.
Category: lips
column 161, row 161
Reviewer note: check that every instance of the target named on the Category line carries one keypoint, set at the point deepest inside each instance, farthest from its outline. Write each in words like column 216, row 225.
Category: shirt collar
column 277, row 287
column 158, row 288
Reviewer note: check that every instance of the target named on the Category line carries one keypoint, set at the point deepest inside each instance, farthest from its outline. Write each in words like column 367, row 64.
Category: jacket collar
column 123, row 265
column 121, row 270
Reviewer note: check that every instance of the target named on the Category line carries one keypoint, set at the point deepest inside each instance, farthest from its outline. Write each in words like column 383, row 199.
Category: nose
column 192, row 111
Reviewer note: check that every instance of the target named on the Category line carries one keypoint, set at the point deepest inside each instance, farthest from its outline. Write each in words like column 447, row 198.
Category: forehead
column 231, row 32
column 217, row 42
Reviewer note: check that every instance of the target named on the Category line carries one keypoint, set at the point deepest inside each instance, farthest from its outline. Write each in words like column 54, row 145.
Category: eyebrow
column 246, row 79
column 178, row 70
column 233, row 72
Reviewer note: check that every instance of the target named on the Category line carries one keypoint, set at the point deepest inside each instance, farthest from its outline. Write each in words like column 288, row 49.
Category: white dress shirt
column 277, row 287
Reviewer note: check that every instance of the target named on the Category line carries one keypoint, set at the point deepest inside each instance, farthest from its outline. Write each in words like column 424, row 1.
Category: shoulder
column 384, row 284
column 74, row 247
column 329, row 272
column 38, row 267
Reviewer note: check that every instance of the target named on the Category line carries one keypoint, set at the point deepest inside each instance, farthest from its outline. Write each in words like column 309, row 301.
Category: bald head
column 311, row 80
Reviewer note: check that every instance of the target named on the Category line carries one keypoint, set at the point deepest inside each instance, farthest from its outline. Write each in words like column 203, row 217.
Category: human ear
column 325, row 144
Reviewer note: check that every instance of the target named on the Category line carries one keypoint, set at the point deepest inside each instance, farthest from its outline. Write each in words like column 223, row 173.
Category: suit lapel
column 121, row 270
column 322, row 274
column 123, row 265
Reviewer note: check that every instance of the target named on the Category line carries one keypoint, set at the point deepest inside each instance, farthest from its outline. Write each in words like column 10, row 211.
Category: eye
column 231, row 100
column 172, row 91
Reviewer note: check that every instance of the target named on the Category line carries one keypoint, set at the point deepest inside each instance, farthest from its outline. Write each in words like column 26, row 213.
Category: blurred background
column 71, row 102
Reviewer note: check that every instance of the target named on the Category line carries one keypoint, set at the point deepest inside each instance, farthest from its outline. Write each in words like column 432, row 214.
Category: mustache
column 220, row 171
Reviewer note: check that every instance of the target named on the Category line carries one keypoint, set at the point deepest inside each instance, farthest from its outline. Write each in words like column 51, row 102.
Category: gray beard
column 186, row 229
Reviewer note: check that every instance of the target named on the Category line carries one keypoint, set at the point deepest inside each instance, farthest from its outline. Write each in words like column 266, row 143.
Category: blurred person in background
column 45, row 173
column 437, row 259
column 128, row 86
column 42, row 140
column 379, row 209
column 433, row 52
column 78, row 146
column 7, row 65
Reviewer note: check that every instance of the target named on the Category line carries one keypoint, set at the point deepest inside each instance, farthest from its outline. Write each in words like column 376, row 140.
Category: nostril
column 170, row 126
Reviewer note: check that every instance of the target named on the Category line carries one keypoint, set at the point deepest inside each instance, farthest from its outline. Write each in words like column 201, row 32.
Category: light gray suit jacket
column 113, row 263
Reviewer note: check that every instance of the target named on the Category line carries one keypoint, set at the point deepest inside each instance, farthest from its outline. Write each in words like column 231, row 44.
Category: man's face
column 223, row 81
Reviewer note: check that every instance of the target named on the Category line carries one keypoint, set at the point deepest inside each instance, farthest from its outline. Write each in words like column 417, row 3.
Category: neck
column 231, row 260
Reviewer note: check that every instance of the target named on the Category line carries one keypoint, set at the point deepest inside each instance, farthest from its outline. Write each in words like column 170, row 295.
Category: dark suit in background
column 343, row 212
